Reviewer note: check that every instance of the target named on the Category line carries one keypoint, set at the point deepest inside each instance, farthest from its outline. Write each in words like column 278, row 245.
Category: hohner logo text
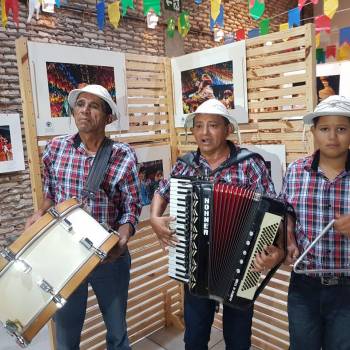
column 206, row 217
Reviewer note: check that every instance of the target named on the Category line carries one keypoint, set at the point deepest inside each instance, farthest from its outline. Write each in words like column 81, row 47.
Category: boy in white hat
column 216, row 158
column 67, row 162
column 318, row 188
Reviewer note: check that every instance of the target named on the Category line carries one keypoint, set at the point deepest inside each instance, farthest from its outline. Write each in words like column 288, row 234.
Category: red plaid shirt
column 66, row 168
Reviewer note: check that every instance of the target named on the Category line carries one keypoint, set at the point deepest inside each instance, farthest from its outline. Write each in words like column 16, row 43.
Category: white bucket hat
column 98, row 91
column 332, row 105
column 215, row 107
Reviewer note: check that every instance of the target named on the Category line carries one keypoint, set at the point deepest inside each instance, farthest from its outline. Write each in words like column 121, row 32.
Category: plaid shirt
column 251, row 173
column 66, row 168
column 316, row 200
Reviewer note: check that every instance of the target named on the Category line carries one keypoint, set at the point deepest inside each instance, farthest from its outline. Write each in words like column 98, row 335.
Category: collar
column 316, row 160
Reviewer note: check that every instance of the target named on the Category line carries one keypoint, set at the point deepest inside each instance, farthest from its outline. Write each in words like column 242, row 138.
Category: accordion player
column 220, row 228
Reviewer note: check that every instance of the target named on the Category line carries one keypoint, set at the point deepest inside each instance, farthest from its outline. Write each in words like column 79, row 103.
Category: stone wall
column 75, row 24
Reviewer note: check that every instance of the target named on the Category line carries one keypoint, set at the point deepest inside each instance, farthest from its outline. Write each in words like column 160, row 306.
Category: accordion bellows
column 221, row 227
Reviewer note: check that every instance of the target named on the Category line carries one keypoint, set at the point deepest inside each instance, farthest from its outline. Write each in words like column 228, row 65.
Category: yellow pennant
column 215, row 8
column 318, row 39
column 344, row 52
column 3, row 14
column 330, row 7
column 284, row 26
column 114, row 14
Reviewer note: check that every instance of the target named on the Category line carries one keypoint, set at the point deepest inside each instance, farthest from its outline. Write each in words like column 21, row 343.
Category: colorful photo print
column 150, row 174
column 201, row 84
column 327, row 86
column 6, row 152
column 64, row 77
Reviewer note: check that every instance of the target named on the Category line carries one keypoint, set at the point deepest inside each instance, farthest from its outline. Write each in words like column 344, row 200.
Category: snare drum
column 44, row 266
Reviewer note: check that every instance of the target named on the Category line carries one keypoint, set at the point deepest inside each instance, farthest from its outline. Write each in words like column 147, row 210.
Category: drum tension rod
column 67, row 225
column 8, row 254
column 57, row 298
column 13, row 328
column 90, row 246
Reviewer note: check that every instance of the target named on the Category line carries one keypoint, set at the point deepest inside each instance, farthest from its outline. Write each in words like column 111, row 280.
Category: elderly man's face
column 89, row 113
column 210, row 132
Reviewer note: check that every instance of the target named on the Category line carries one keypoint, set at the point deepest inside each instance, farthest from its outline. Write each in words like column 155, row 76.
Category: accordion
column 221, row 228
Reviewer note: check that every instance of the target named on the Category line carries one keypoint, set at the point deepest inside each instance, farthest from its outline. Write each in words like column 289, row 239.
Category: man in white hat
column 318, row 189
column 215, row 158
column 67, row 162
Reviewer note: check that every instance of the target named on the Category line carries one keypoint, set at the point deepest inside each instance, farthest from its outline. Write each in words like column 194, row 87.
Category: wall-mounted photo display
column 275, row 158
column 214, row 73
column 11, row 147
column 58, row 69
column 154, row 164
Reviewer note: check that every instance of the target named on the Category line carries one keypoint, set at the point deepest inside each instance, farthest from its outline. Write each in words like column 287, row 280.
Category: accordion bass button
column 244, row 252
column 238, row 270
column 241, row 261
column 247, row 243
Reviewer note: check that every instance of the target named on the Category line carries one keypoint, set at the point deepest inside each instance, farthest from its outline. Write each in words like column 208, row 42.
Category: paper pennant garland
column 284, row 26
column 253, row 33
column 34, row 5
column 219, row 19
column 170, row 30
column 318, row 39
column 114, row 13
column 127, row 4
column 294, row 17
column 265, row 26
column 152, row 20
column 320, row 55
column 256, row 8
column 301, row 3
column 240, row 34
column 331, row 51
column 215, row 8
column 14, row 7
column 197, row 2
column 48, row 6
column 183, row 23
column 58, row 3
column 322, row 23
column 151, row 5
column 218, row 34
column 3, row 14
column 100, row 9
column 344, row 52
column 344, row 35
column 330, row 7
column 229, row 38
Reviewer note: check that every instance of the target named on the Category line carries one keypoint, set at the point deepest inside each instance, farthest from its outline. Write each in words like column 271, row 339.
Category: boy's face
column 332, row 135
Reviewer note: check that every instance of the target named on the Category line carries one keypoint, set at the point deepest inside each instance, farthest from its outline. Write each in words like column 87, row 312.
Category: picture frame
column 275, row 157
column 151, row 161
column 218, row 72
column 11, row 146
column 57, row 69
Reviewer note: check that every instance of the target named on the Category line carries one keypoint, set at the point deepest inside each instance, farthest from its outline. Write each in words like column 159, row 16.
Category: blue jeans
column 319, row 315
column 110, row 282
column 199, row 317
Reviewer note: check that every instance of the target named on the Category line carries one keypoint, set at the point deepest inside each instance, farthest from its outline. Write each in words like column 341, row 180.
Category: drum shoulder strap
column 98, row 169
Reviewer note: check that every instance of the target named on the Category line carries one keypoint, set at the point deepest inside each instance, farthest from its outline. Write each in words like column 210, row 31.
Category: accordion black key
column 221, row 228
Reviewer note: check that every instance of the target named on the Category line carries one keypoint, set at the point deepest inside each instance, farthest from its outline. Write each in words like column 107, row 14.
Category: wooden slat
column 276, row 69
column 275, row 59
column 132, row 84
column 278, row 102
column 278, row 81
column 143, row 58
column 146, row 100
column 294, row 90
column 142, row 66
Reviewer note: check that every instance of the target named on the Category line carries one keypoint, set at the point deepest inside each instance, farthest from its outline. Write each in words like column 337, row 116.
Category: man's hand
column 268, row 258
column 292, row 247
column 38, row 214
column 342, row 224
column 161, row 227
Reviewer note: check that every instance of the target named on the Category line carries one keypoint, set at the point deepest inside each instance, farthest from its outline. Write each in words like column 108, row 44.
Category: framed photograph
column 275, row 158
column 57, row 69
column 154, row 164
column 11, row 147
column 218, row 73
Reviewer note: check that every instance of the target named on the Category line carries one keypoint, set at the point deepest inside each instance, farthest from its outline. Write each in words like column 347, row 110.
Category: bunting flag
column 240, row 34
column 58, row 3
column 219, row 19
column 253, row 33
column 331, row 51
column 151, row 5
column 218, row 34
column 344, row 35
column 3, row 14
column 301, row 3
column 256, row 8
column 215, row 8
column 13, row 6
column 344, row 52
column 330, row 7
column 48, row 6
column 100, row 9
column 183, row 23
column 294, row 17
column 197, row 2
column 170, row 30
column 34, row 5
column 229, row 38
column 265, row 26
column 114, row 13
column 127, row 4
column 322, row 23
column 318, row 39
column 284, row 26
column 320, row 55
column 152, row 20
